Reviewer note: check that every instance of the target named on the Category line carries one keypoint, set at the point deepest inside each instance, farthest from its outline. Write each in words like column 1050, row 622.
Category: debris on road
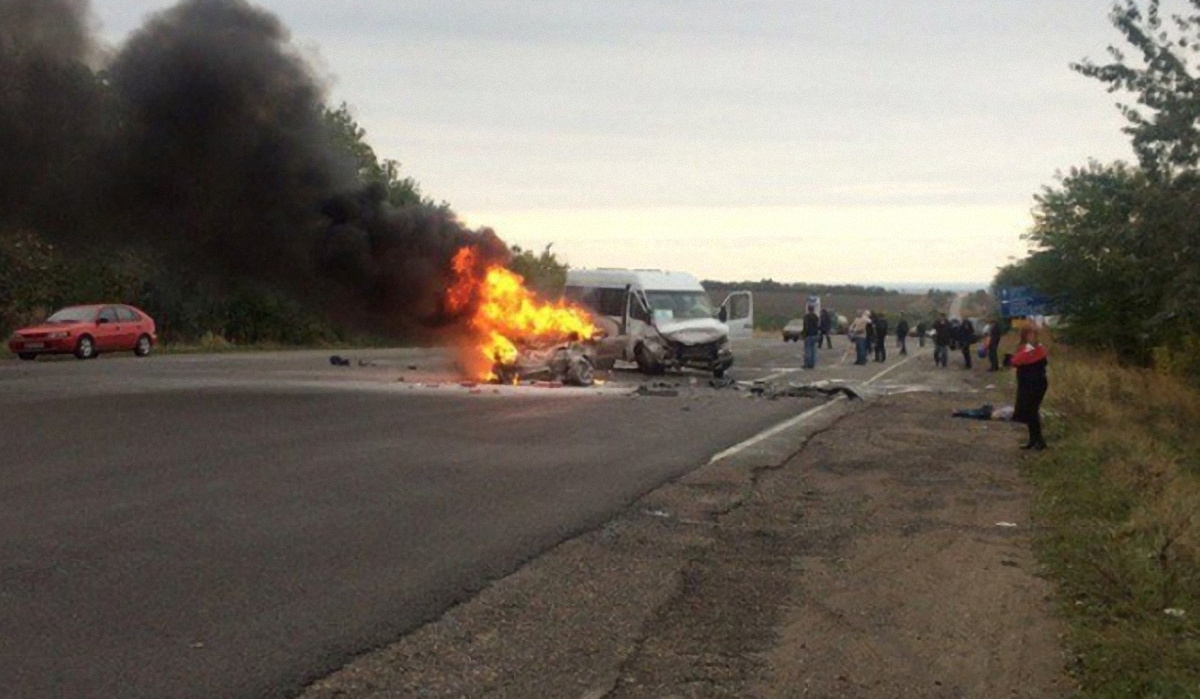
column 645, row 390
column 337, row 360
column 764, row 389
column 820, row 389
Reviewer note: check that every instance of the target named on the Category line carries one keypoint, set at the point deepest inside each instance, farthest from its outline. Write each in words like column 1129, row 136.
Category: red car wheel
column 85, row 348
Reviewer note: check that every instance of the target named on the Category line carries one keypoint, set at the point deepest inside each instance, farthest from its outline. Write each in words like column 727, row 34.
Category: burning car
column 571, row 363
column 514, row 335
column 660, row 320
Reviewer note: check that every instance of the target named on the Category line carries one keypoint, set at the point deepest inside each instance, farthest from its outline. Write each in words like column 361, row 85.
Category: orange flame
column 507, row 314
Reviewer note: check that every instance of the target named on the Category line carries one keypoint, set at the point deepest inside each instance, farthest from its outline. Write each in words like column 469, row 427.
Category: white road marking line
column 771, row 377
column 893, row 367
column 784, row 371
column 793, row 421
column 771, row 432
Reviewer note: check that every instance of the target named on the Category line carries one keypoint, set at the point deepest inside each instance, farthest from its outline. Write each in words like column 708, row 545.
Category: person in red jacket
column 1030, row 363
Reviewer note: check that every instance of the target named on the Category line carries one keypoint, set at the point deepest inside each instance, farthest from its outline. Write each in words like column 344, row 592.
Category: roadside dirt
column 870, row 563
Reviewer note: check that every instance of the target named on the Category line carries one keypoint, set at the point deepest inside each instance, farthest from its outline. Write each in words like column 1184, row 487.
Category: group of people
column 869, row 333
column 947, row 336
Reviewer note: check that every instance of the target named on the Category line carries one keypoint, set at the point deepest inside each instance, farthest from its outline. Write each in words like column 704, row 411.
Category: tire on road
column 143, row 346
column 85, row 347
column 646, row 362
column 580, row 372
column 27, row 356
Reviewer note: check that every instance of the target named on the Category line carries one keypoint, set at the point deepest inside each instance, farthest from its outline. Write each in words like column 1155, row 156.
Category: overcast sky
column 802, row 140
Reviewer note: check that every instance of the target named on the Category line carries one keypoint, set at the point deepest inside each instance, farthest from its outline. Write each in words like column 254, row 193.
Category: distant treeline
column 775, row 305
column 800, row 288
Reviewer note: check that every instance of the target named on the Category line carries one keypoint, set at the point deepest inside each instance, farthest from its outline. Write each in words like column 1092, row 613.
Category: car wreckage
column 571, row 363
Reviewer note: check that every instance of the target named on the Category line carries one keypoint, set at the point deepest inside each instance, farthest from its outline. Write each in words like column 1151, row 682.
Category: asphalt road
column 238, row 525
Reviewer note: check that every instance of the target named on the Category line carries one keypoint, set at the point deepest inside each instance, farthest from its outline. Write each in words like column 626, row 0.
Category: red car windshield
column 78, row 314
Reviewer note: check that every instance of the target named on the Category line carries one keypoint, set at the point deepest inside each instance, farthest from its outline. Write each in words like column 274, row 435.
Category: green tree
column 1096, row 259
column 28, row 267
column 543, row 272
column 350, row 138
column 1164, row 121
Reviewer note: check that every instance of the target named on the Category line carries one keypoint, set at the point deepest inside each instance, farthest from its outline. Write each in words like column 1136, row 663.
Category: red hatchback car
column 86, row 331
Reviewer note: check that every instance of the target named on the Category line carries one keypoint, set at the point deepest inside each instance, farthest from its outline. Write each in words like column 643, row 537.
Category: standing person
column 902, row 334
column 966, row 336
column 826, row 325
column 881, row 336
column 1030, row 362
column 922, row 328
column 995, row 332
column 858, row 335
column 812, row 338
column 941, row 340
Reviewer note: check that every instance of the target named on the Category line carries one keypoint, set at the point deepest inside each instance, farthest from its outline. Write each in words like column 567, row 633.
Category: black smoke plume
column 203, row 139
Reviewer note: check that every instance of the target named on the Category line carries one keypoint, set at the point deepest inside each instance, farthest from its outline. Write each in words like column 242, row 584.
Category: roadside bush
column 1119, row 502
column 1180, row 358
column 36, row 279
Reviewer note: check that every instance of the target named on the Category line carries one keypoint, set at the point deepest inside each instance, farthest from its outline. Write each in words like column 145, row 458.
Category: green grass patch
column 1118, row 504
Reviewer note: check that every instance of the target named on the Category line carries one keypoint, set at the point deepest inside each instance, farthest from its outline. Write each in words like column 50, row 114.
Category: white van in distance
column 661, row 320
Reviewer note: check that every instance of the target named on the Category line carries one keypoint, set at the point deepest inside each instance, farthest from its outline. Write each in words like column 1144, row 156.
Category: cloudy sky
column 801, row 140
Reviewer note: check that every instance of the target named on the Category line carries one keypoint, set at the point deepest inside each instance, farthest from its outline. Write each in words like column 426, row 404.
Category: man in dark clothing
column 941, row 341
column 921, row 330
column 870, row 332
column 902, row 335
column 812, row 337
column 966, row 336
column 995, row 332
column 826, row 326
column 881, row 334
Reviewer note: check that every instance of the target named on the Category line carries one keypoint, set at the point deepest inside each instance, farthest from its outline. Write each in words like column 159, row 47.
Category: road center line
column 772, row 431
column 772, row 377
column 793, row 421
column 893, row 367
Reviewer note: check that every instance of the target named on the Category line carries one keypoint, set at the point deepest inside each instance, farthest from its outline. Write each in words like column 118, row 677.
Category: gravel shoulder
column 858, row 555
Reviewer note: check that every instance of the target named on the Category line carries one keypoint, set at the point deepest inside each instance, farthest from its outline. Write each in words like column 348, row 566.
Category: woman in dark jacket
column 1030, row 363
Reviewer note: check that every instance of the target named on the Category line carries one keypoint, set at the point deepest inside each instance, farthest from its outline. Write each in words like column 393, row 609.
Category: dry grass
column 1119, row 499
